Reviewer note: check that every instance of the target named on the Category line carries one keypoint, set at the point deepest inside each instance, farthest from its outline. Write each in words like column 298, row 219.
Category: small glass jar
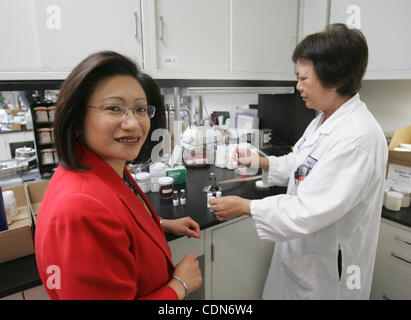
column 44, row 135
column 175, row 198
column 47, row 157
column 393, row 201
column 166, row 187
column 41, row 114
column 51, row 111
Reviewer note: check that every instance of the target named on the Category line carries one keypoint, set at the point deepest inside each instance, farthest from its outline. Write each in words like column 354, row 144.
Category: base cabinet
column 233, row 260
column 392, row 270
column 240, row 261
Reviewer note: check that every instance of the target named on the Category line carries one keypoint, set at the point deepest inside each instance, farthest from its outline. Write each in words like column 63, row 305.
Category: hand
column 230, row 207
column 188, row 270
column 182, row 227
column 250, row 159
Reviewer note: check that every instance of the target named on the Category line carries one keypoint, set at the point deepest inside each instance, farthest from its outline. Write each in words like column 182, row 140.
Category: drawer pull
column 403, row 241
column 400, row 258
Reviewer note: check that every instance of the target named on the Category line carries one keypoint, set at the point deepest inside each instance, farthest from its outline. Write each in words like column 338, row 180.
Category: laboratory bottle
column 183, row 197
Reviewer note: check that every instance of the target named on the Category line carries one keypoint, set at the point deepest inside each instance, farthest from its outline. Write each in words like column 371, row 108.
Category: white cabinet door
column 386, row 25
column 240, row 261
column 313, row 17
column 45, row 39
column 18, row 34
column 71, row 30
column 190, row 36
column 264, row 35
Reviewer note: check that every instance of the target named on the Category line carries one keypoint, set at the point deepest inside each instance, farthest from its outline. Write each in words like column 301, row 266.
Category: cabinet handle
column 161, row 36
column 136, row 24
column 401, row 240
column 385, row 297
column 400, row 258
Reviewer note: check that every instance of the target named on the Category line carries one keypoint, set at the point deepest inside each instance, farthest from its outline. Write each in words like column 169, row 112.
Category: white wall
column 228, row 102
column 389, row 101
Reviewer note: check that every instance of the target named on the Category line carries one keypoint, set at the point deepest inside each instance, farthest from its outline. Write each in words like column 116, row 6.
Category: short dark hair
column 78, row 88
column 339, row 56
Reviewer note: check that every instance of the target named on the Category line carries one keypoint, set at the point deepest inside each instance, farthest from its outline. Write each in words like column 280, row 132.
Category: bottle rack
column 42, row 126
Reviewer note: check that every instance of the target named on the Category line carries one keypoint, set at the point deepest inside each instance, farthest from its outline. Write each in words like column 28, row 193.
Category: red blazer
column 100, row 236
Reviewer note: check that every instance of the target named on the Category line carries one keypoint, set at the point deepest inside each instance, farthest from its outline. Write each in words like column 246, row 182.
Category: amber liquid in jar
column 166, row 187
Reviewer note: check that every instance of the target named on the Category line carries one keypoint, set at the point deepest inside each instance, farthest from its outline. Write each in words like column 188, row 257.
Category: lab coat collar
column 148, row 223
column 341, row 113
column 316, row 129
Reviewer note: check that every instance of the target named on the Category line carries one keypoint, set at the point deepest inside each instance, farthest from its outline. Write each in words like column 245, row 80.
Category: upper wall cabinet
column 223, row 39
column 47, row 38
column 189, row 37
column 263, row 37
column 386, row 25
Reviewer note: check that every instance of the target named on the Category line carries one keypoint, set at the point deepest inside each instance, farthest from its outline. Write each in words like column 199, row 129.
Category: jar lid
column 141, row 176
column 395, row 195
column 403, row 188
column 165, row 181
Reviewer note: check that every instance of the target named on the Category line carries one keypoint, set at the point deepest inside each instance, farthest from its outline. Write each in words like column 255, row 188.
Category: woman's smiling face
column 114, row 139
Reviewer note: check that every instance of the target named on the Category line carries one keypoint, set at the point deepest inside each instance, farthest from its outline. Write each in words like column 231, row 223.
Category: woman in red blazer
column 97, row 236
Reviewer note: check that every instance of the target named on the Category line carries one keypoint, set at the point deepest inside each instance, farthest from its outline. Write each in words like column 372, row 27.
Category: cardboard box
column 17, row 241
column 35, row 192
column 399, row 158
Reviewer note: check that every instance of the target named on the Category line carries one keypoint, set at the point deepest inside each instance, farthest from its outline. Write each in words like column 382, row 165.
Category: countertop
column 21, row 274
column 196, row 203
column 403, row 216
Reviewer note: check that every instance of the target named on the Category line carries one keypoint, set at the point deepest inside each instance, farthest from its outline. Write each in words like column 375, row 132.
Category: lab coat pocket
column 301, row 271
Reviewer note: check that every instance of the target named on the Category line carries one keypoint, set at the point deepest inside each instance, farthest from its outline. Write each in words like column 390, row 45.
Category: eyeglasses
column 120, row 112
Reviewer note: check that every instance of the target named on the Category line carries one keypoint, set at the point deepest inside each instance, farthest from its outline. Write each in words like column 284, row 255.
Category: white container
column 157, row 170
column 220, row 156
column 143, row 181
column 405, row 190
column 386, row 190
column 10, row 206
column 393, row 201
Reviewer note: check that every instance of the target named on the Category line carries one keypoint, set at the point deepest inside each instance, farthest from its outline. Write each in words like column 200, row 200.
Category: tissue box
column 178, row 174
column 17, row 241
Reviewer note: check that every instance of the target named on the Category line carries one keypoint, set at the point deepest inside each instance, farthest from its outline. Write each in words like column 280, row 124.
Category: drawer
column 395, row 255
column 184, row 246
column 400, row 235
column 389, row 282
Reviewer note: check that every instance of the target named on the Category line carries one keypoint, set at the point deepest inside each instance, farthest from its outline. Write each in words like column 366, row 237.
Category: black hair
column 339, row 56
column 78, row 88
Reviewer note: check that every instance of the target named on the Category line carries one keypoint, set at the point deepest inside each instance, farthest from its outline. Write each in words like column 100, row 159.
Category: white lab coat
column 337, row 205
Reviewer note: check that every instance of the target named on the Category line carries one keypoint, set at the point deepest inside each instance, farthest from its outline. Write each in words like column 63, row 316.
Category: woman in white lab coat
column 326, row 226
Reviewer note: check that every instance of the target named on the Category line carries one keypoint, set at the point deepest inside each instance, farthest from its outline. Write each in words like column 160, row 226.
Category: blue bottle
column 3, row 220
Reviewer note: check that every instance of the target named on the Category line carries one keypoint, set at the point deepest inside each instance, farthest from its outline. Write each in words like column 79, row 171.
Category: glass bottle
column 183, row 197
